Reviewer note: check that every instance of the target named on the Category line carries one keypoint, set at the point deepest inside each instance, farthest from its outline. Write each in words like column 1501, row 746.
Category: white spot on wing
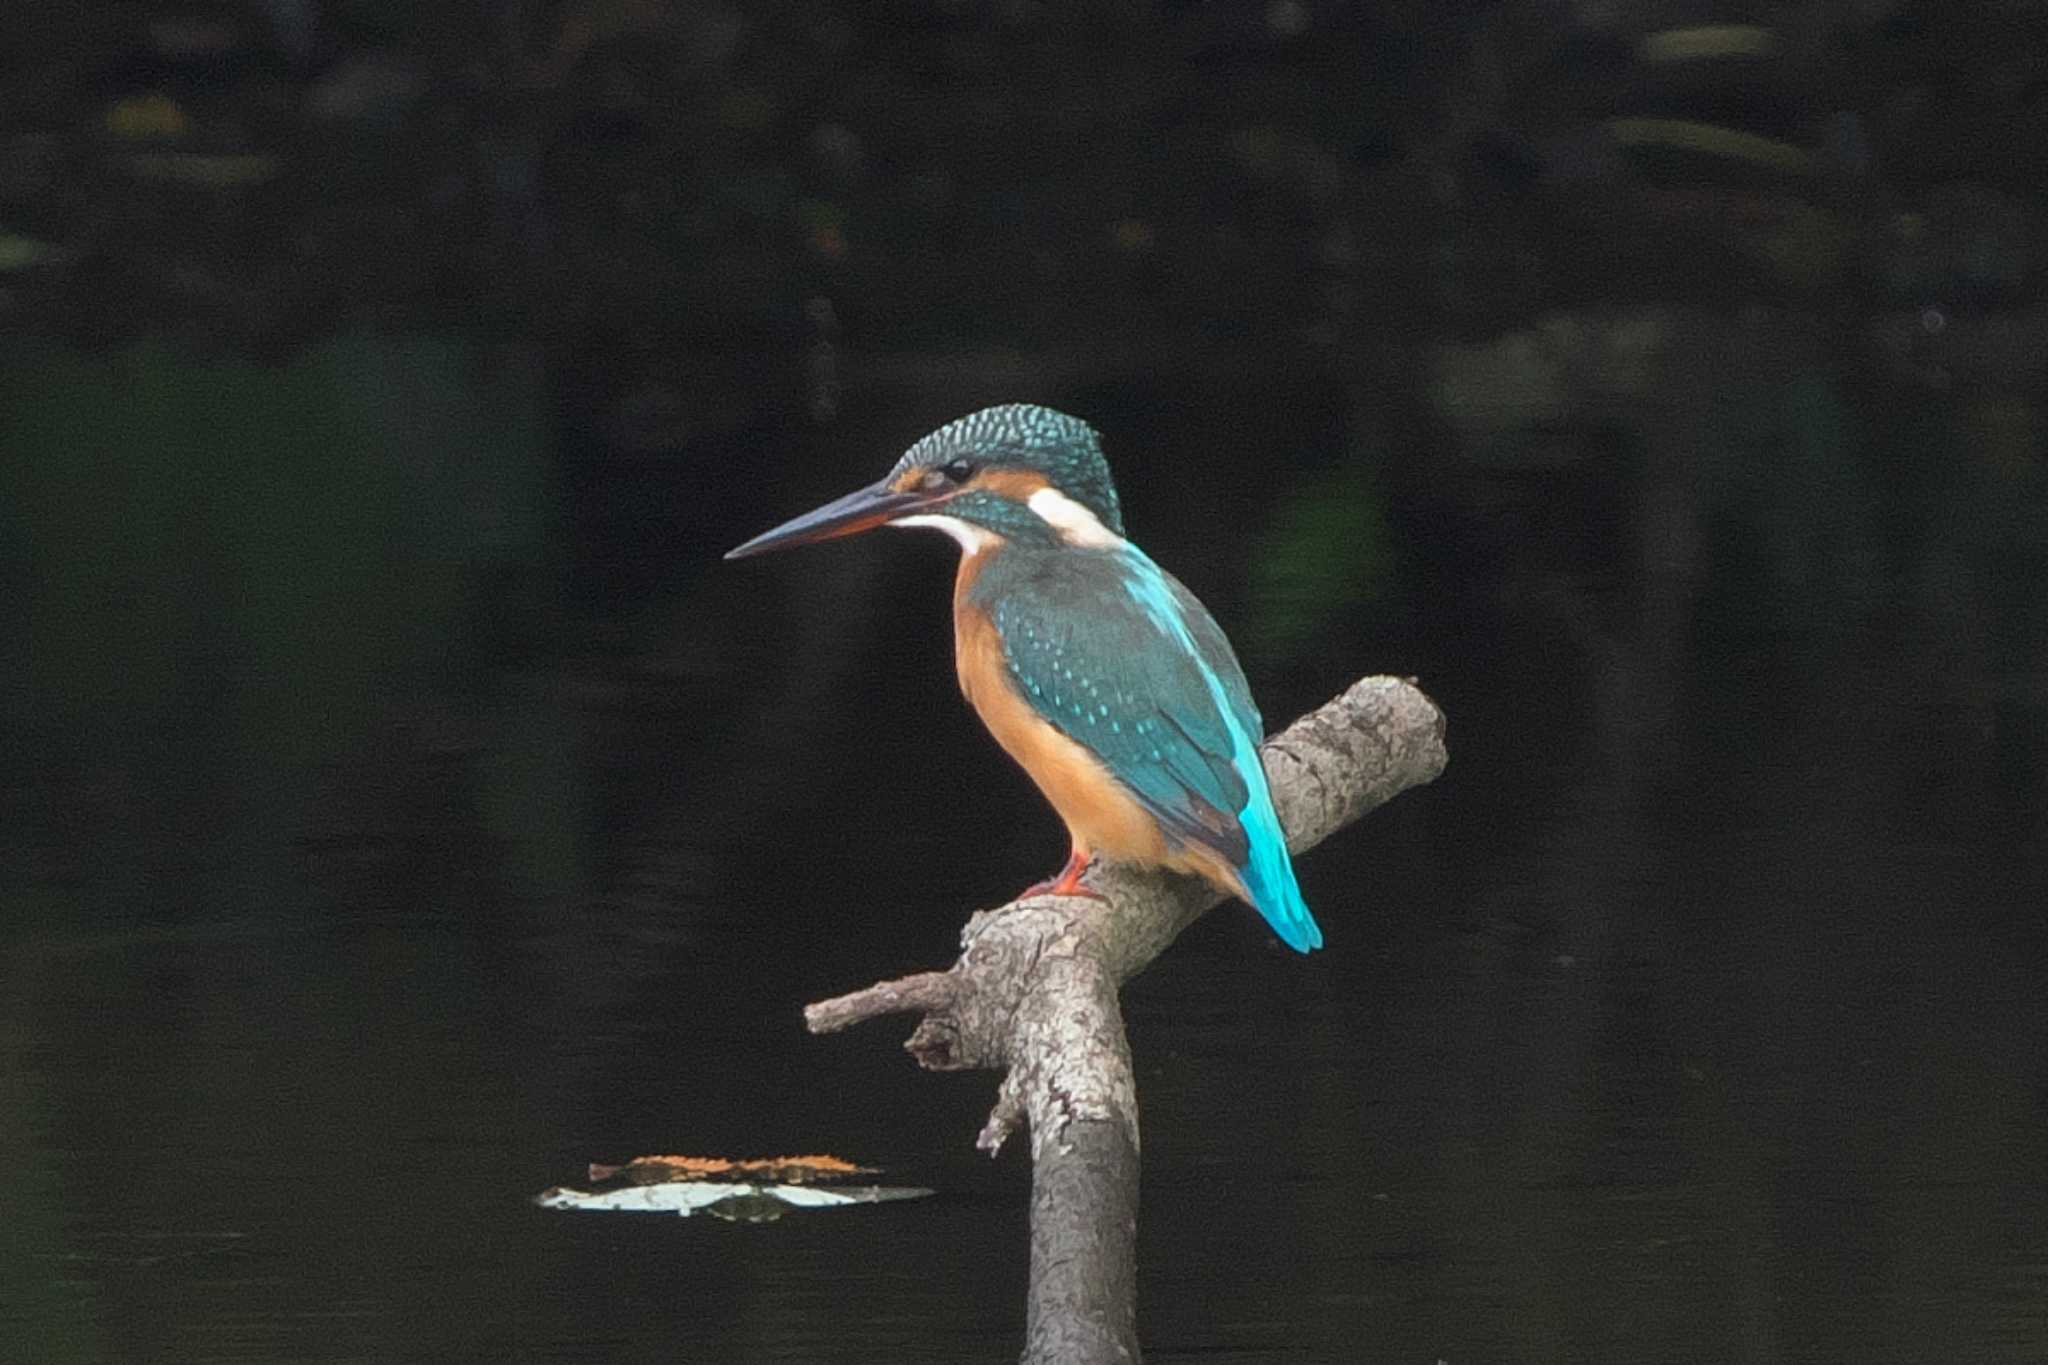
column 973, row 539
column 1075, row 523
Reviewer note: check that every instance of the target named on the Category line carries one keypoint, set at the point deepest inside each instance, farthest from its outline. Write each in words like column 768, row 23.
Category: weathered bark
column 1034, row 994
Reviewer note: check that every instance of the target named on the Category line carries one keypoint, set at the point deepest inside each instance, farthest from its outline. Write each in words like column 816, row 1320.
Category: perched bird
column 1091, row 665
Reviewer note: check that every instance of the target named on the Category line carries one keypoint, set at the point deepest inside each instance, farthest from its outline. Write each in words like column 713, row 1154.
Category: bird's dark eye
column 948, row 475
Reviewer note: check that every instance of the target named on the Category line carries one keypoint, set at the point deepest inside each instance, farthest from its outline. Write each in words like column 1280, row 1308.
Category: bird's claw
column 1067, row 883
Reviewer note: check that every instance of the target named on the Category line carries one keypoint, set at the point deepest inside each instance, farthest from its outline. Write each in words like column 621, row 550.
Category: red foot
column 1068, row 882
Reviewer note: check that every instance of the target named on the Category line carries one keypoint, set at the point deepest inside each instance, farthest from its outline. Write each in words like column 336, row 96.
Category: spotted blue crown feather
column 1065, row 449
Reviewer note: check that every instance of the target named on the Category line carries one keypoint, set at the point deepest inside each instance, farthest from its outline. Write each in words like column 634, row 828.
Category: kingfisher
column 1104, row 678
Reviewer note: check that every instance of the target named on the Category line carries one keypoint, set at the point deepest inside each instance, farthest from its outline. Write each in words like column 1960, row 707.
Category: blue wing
column 1119, row 657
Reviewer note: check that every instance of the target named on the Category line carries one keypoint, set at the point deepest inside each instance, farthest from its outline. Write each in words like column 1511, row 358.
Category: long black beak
column 861, row 510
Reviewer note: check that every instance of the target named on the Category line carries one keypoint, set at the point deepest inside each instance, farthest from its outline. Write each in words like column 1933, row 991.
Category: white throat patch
column 973, row 539
column 1076, row 524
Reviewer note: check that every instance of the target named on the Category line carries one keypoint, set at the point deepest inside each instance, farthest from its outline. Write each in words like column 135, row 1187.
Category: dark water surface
column 1697, row 1014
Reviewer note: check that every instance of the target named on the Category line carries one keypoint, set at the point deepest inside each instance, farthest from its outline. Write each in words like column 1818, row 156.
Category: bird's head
column 1015, row 473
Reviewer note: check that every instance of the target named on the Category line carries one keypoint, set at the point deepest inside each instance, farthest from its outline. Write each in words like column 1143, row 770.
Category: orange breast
column 1101, row 816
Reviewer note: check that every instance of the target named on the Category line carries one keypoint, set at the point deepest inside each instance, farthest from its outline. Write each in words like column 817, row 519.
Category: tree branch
column 1034, row 994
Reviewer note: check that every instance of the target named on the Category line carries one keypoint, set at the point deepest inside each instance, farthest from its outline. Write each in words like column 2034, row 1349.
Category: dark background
column 401, row 805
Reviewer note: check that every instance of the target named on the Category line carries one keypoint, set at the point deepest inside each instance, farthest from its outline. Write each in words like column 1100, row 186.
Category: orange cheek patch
column 1016, row 484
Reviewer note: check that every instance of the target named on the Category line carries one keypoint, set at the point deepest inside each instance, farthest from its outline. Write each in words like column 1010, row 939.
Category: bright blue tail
column 1269, row 876
column 1269, row 873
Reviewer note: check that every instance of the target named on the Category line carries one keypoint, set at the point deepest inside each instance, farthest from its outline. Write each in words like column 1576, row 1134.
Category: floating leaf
column 755, row 1190
column 792, row 1170
column 739, row 1203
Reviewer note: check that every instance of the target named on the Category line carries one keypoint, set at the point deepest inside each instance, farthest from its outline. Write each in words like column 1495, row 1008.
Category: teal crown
column 1024, row 436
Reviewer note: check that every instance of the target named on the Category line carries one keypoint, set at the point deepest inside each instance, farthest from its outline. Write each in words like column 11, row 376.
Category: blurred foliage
column 654, row 174
column 324, row 510
column 1515, row 227
column 1326, row 554
column 234, row 569
column 709, row 216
